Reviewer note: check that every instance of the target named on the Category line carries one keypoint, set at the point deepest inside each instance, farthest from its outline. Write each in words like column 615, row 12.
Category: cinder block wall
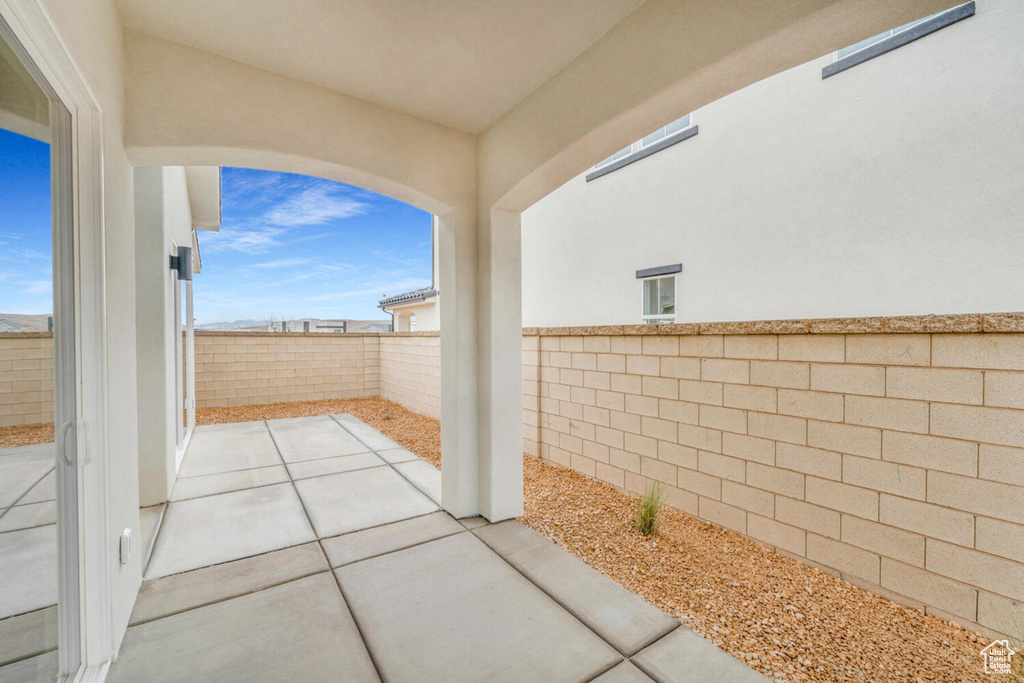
column 26, row 378
column 410, row 370
column 887, row 451
column 234, row 369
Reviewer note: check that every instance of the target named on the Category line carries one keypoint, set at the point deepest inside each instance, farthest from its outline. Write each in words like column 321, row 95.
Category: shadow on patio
column 314, row 549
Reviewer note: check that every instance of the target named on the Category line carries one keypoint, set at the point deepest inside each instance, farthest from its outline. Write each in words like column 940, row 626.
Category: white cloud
column 249, row 241
column 37, row 287
column 377, row 290
column 283, row 263
column 314, row 206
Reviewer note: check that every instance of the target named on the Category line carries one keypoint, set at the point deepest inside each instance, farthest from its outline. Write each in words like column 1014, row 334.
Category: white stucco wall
column 428, row 316
column 163, row 220
column 895, row 187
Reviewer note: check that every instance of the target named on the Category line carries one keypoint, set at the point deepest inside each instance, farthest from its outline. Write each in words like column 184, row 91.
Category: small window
column 659, row 300
column 857, row 47
column 874, row 46
column 665, row 131
column 648, row 140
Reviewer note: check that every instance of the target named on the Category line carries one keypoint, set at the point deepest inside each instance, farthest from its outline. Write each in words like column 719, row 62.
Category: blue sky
column 25, row 229
column 292, row 246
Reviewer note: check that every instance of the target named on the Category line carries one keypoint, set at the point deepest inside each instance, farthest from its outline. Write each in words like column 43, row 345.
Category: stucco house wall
column 163, row 221
column 891, row 188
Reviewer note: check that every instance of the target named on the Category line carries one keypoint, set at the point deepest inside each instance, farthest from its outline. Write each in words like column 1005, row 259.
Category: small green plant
column 648, row 509
column 1016, row 674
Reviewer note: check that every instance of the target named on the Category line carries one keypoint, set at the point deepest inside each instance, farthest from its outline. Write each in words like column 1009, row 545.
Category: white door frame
column 34, row 29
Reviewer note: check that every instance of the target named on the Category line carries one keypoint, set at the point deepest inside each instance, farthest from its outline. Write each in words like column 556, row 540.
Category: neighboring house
column 420, row 309
column 837, row 188
column 20, row 322
column 328, row 326
column 373, row 326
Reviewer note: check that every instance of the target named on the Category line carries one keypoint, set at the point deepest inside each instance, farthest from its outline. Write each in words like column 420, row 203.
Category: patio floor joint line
column 319, row 542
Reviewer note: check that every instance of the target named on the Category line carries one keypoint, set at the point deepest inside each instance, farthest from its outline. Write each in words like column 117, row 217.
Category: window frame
column 659, row 318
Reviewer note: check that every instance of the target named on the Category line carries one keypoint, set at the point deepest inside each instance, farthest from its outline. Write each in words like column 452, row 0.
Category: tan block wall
column 26, row 378
column 893, row 460
column 234, row 369
column 410, row 371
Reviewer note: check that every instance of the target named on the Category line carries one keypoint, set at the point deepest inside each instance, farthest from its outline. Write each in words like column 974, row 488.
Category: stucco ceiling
column 462, row 63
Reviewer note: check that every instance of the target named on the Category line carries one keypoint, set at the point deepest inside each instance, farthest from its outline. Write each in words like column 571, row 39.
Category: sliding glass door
column 40, row 633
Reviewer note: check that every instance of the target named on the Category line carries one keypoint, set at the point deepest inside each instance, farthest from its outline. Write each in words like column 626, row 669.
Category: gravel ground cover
column 789, row 621
column 26, row 435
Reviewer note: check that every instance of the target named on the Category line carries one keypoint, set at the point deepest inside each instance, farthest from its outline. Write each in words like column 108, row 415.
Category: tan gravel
column 787, row 620
column 26, row 435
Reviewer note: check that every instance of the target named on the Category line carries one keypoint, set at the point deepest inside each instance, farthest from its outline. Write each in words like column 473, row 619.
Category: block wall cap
column 960, row 323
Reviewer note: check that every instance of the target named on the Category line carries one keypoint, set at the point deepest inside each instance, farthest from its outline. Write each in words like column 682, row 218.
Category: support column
column 155, row 339
column 458, row 282
column 481, row 365
column 500, row 367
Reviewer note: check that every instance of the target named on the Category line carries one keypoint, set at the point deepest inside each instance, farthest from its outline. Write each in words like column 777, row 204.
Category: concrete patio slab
column 19, row 473
column 393, row 455
column 251, row 638
column 423, row 476
column 625, row 672
column 243, row 446
column 360, row 545
column 28, row 516
column 340, row 503
column 228, row 526
column 28, row 570
column 311, row 438
column 32, row 670
column 451, row 610
column 182, row 592
column 365, row 433
column 683, row 657
column 28, row 635
column 224, row 482
column 619, row 616
column 345, row 463
column 44, row 449
column 45, row 490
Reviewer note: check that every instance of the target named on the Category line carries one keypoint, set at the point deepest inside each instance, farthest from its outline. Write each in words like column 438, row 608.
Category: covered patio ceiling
column 461, row 63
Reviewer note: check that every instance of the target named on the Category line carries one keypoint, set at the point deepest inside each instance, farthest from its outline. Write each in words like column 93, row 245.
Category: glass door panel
column 38, row 473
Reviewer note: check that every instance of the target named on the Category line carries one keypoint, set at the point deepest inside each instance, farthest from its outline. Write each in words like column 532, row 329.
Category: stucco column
column 481, row 365
column 459, row 414
column 500, row 368
column 154, row 331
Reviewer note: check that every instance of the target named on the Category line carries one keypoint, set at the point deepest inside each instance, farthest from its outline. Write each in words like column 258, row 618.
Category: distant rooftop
column 408, row 297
